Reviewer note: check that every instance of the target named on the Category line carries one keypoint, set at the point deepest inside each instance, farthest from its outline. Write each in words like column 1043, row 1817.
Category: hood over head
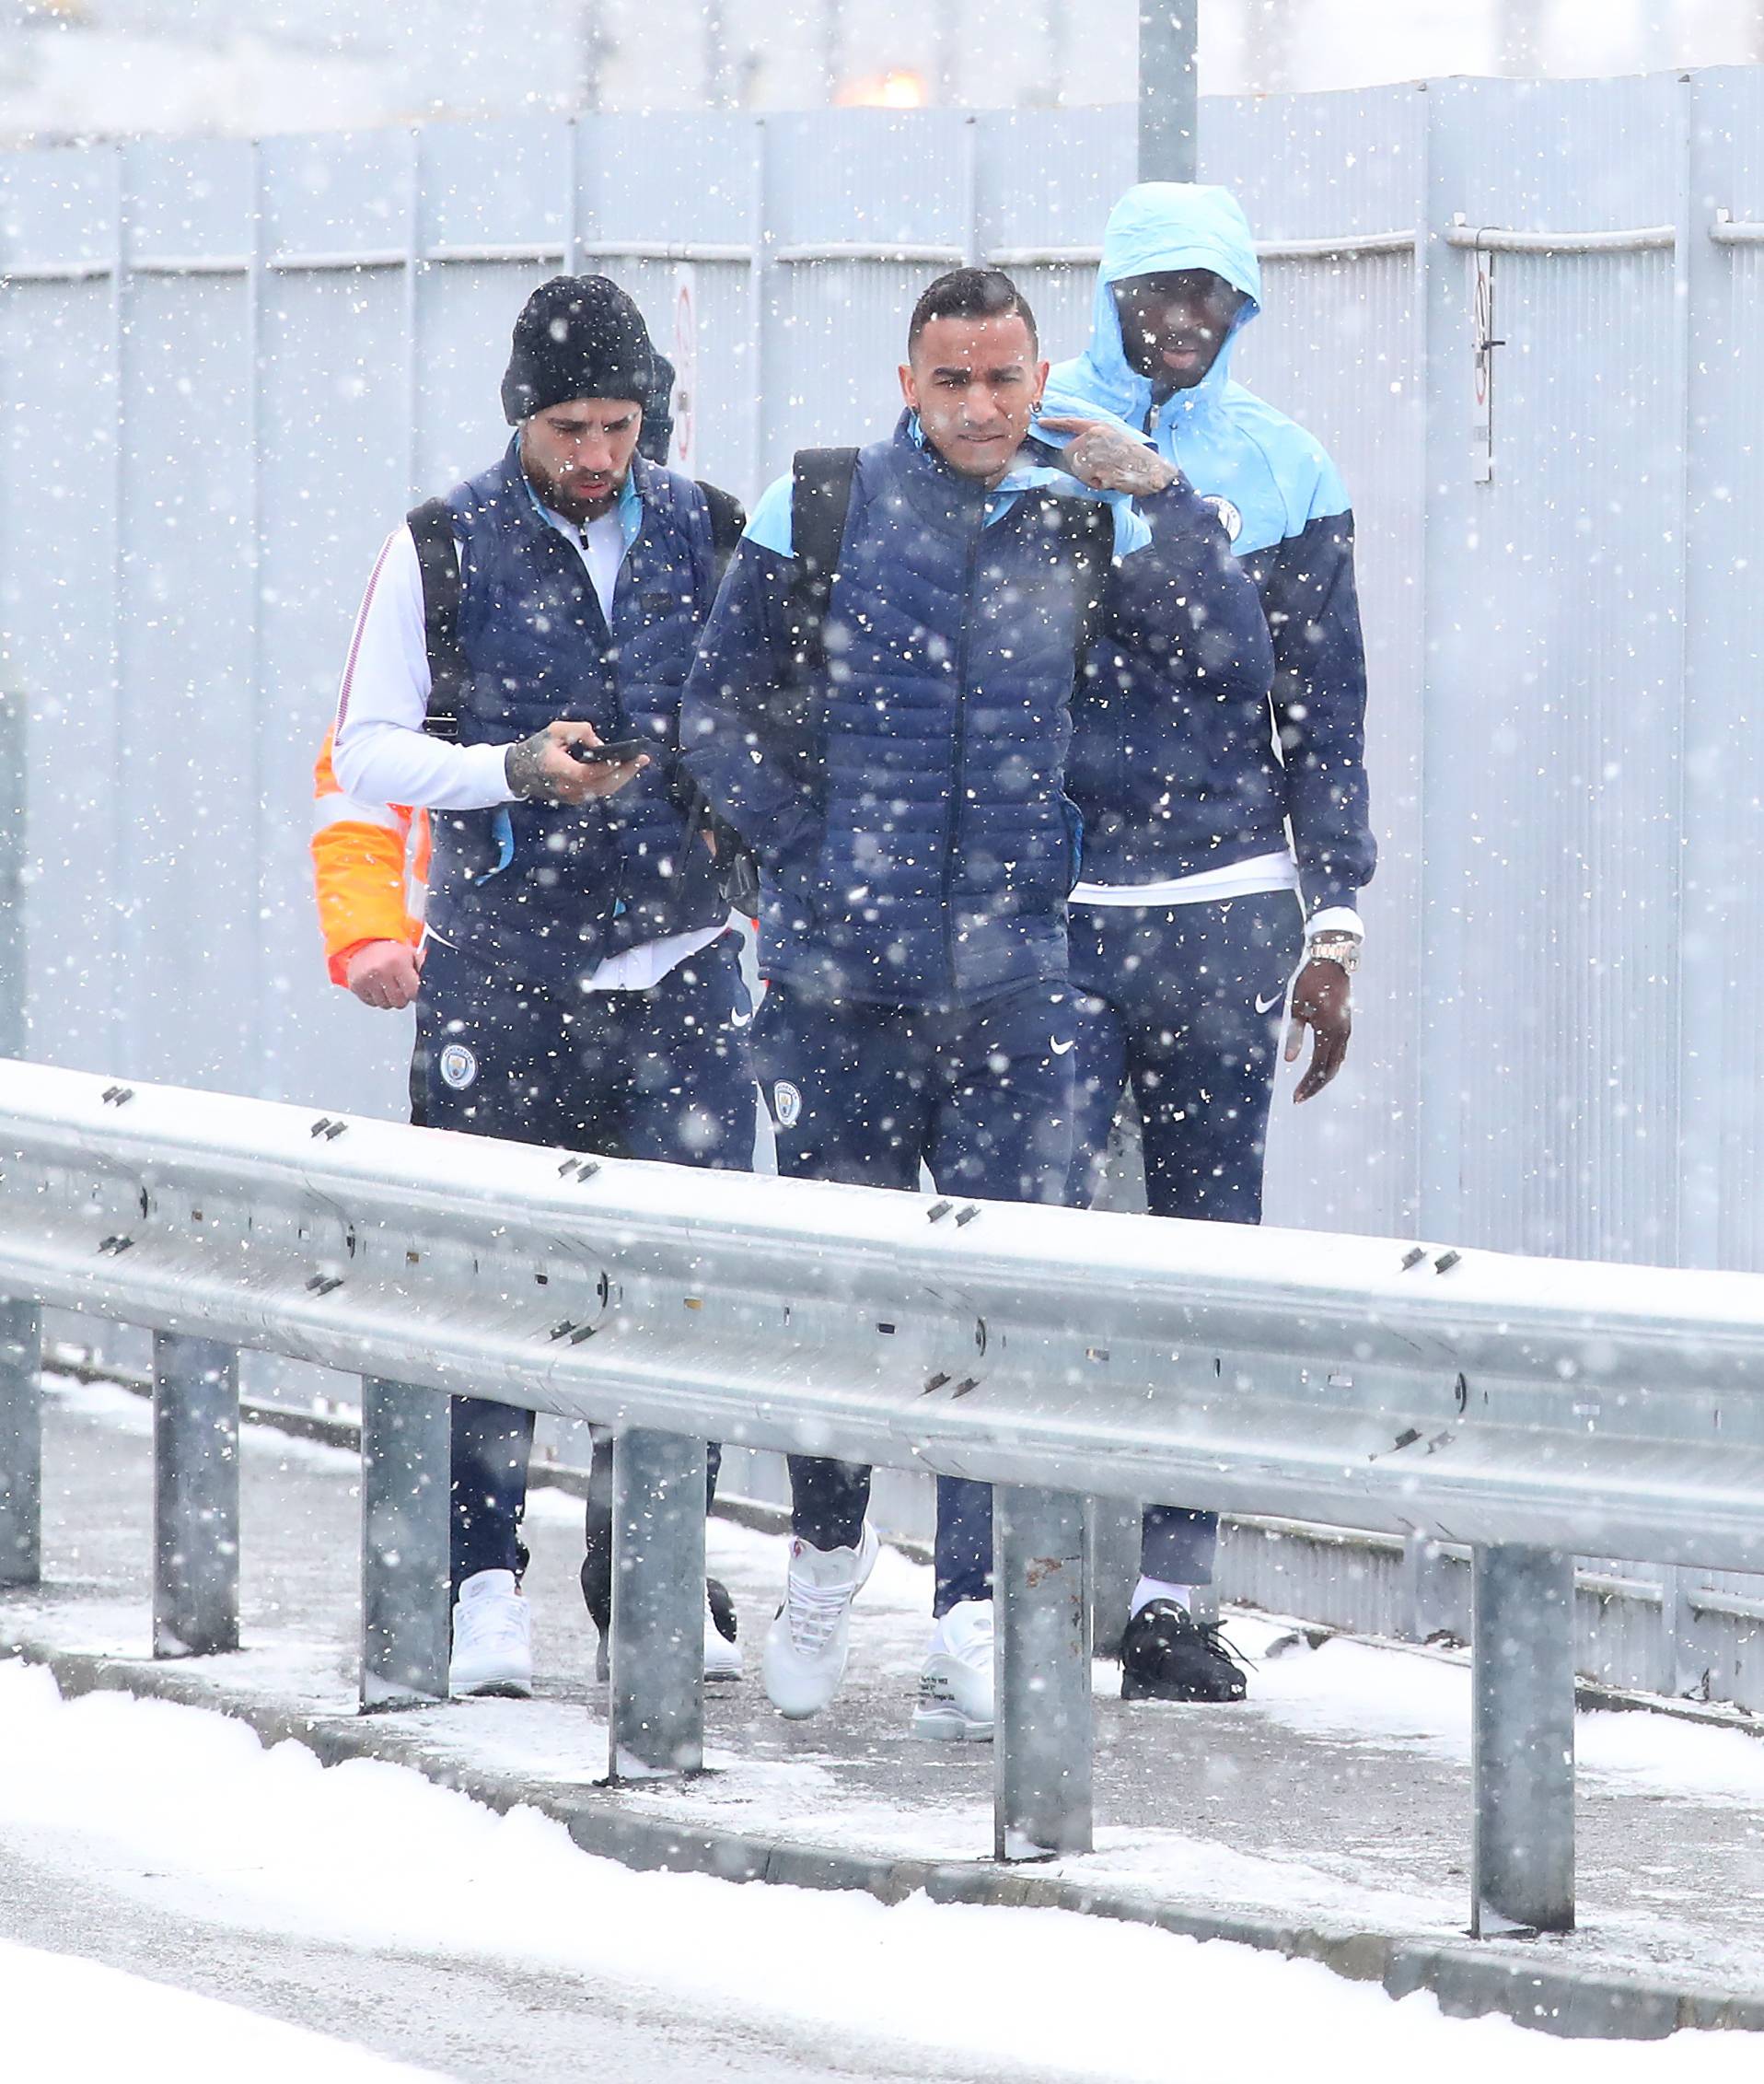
column 1158, row 228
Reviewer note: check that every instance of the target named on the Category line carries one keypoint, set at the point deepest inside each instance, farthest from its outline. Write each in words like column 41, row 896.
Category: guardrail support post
column 21, row 1444
column 1523, row 1741
column 656, row 1723
column 1419, row 1585
column 1041, row 1806
column 406, row 1464
column 195, row 1496
column 1681, row 1670
column 1113, row 1547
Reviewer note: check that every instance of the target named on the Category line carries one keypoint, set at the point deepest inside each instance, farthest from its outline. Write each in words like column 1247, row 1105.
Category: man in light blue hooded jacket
column 1195, row 904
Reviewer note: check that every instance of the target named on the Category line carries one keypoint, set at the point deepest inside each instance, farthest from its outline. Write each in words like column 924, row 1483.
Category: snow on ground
column 1407, row 1700
column 1383, row 1695
column 1380, row 1694
column 1347, row 1708
column 187, row 1811
column 75, row 2019
column 125, row 1411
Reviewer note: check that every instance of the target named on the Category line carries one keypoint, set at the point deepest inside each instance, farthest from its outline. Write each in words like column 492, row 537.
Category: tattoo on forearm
column 1128, row 463
column 523, row 766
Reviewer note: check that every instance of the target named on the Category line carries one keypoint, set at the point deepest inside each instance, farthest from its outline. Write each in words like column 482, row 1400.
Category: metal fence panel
column 1721, row 780
column 843, row 192
column 333, row 402
column 187, row 666
column 1560, row 1040
column 1559, row 667
column 1340, row 345
column 493, row 221
column 1044, row 185
column 680, row 227
column 60, row 460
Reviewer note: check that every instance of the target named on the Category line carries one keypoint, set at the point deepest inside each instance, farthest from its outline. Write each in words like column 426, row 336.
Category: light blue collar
column 1024, row 475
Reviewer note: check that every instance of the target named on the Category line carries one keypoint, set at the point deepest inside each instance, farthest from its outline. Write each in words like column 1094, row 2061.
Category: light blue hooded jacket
column 1204, row 789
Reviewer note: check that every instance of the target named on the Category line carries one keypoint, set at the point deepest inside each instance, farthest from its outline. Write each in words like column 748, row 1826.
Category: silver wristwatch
column 1343, row 949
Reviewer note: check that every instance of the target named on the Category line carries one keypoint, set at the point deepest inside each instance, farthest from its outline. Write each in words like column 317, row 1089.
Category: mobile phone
column 609, row 755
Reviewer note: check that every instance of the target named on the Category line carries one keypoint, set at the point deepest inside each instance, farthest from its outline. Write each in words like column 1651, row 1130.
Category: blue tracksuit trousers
column 981, row 1096
column 662, row 1074
column 1183, row 1003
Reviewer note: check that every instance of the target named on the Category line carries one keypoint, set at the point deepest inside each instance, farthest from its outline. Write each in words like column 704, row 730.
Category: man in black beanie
column 577, row 336
column 515, row 669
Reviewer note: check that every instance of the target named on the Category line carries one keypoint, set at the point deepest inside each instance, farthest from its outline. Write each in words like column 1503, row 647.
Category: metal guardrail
column 1531, row 1408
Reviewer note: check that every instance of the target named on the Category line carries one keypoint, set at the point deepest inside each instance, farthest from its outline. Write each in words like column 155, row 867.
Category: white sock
column 1150, row 1588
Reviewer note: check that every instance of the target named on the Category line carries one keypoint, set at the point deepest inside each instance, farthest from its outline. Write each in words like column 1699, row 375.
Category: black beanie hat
column 578, row 336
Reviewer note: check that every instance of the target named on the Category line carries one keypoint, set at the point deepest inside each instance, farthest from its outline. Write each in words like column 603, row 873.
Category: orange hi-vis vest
column 370, row 864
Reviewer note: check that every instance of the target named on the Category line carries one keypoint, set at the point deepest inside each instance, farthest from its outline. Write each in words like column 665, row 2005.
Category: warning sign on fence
column 684, row 352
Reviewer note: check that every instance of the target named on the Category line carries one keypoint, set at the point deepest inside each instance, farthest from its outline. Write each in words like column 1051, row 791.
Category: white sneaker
column 493, row 1639
column 804, row 1658
column 955, row 1685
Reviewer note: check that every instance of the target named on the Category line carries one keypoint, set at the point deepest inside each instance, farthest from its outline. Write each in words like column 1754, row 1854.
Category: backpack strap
column 1086, row 530
column 431, row 527
column 728, row 518
column 820, row 499
column 737, row 869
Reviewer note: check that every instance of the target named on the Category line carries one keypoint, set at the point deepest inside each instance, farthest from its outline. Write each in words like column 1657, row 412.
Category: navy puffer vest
column 588, row 881
column 938, row 870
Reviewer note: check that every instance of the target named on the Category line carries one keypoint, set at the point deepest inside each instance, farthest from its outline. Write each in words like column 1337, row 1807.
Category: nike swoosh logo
column 1060, row 1048
column 739, row 1019
column 1268, row 1006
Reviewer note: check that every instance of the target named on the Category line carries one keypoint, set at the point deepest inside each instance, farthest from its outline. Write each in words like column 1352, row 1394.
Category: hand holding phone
column 612, row 755
column 556, row 765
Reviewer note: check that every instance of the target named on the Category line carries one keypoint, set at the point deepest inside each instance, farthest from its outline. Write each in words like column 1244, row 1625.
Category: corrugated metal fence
column 1519, row 315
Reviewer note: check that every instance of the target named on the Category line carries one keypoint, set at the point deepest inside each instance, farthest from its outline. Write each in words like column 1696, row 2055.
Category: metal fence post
column 406, row 1464
column 21, row 1444
column 656, row 1723
column 13, row 755
column 21, row 1339
column 1041, row 1762
column 1113, row 1547
column 1523, row 1741
column 1682, row 1670
column 1420, row 1586
column 195, row 1496
column 1169, row 84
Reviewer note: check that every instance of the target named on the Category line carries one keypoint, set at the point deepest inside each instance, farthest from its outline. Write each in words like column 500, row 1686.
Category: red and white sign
column 1483, row 345
column 684, row 353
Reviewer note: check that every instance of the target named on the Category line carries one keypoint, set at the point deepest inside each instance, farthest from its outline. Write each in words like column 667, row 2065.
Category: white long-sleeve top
column 383, row 754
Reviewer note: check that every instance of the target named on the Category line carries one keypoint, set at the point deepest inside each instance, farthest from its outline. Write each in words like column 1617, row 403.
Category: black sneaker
column 722, row 1608
column 596, row 1593
column 722, row 1653
column 1167, row 1654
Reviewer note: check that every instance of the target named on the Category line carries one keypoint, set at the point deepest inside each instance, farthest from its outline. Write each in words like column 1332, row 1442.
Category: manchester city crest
column 1230, row 518
column 459, row 1066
